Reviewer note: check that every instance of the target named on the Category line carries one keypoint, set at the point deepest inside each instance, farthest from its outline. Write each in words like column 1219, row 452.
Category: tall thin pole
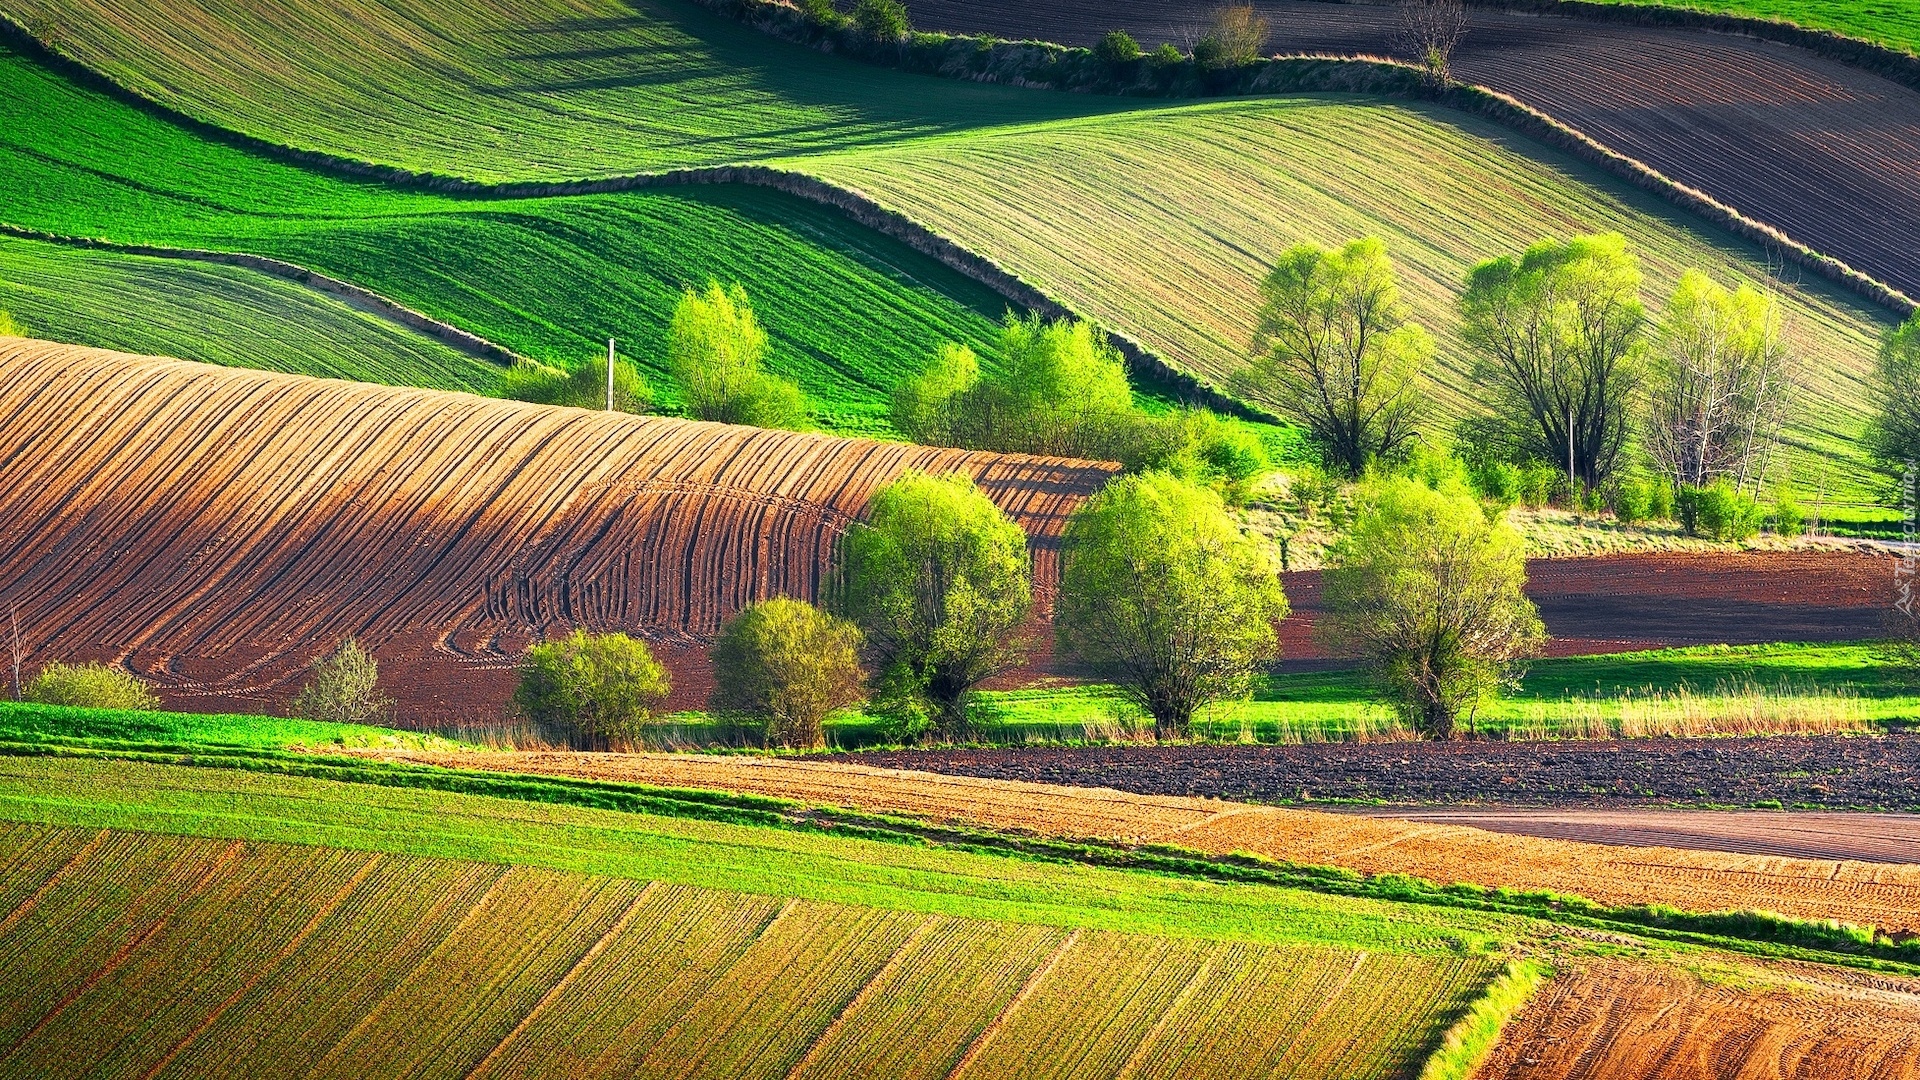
column 609, row 374
column 1572, row 495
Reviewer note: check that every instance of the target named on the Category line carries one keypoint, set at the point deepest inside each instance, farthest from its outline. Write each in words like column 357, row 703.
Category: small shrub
column 585, row 387
column 344, row 689
column 1500, row 482
column 91, row 686
column 1117, row 48
column 1633, row 501
column 783, row 665
column 9, row 327
column 1236, row 36
column 823, row 12
column 1660, row 504
column 881, row 20
column 1538, row 482
column 1717, row 512
column 592, row 687
column 715, row 347
column 1788, row 517
column 1165, row 56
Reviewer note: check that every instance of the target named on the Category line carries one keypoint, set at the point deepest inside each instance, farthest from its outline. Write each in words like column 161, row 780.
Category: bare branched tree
column 1429, row 32
column 1723, row 380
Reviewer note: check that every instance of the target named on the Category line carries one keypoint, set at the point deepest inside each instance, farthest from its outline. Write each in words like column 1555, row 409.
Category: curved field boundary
column 366, row 299
column 1860, row 893
column 1882, row 60
column 1391, row 78
column 214, row 529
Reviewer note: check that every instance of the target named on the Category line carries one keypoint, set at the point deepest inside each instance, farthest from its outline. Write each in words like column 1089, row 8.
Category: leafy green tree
column 1235, row 36
column 882, row 20
column 715, row 348
column 344, row 688
column 592, row 687
column 585, row 387
column 1428, row 593
column 1164, row 595
column 1895, row 431
column 1559, row 331
column 1117, row 48
column 932, row 407
column 784, row 665
column 1722, row 377
column 940, row 582
column 90, row 686
column 1335, row 352
column 9, row 327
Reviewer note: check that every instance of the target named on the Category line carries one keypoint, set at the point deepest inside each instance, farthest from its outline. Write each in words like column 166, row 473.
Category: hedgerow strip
column 1758, row 933
column 1465, row 1045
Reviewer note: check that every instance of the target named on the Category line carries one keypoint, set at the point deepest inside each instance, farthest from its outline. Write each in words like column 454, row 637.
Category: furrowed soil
column 1881, row 895
column 1818, row 772
column 213, row 530
column 1800, row 834
column 1621, row 603
column 1617, row 1019
column 1828, row 153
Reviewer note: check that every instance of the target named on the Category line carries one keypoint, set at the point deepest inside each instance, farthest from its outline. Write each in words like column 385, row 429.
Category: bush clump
column 584, row 387
column 1718, row 511
column 1117, row 48
column 593, row 688
column 715, row 348
column 783, row 665
column 10, row 327
column 882, row 20
column 344, row 688
column 89, row 686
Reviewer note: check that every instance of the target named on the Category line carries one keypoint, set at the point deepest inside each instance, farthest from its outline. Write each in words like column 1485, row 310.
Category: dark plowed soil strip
column 1622, row 602
column 1799, row 834
column 1828, row 153
column 1837, row 773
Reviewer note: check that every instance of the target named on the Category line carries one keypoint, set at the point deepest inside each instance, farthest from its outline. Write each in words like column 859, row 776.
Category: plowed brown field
column 1827, row 153
column 1628, row 1021
column 1874, row 894
column 215, row 528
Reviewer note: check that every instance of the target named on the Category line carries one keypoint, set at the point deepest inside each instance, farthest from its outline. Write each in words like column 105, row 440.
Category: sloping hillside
column 215, row 529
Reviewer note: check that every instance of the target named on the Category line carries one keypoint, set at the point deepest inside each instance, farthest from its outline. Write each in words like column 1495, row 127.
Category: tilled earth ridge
column 1827, row 153
column 1862, row 893
column 1828, row 772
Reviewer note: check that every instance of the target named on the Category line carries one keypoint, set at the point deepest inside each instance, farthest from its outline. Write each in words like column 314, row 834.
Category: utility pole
column 1572, row 496
column 609, row 374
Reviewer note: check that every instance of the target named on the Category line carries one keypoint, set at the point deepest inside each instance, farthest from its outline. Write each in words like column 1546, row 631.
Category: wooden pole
column 609, row 374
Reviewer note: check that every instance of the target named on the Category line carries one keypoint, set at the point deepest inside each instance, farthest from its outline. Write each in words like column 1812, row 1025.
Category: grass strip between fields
column 1753, row 932
column 1465, row 1045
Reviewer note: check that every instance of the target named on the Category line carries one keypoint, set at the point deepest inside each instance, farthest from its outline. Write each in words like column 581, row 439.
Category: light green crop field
column 220, row 315
column 1158, row 221
column 1886, row 22
column 367, row 962
column 848, row 312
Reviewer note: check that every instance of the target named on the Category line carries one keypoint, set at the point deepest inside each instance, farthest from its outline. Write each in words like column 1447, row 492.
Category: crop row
column 154, row 955
column 1873, row 894
column 217, row 528
column 848, row 312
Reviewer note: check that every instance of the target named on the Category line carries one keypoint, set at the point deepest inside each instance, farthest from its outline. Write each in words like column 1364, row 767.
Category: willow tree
column 1722, row 379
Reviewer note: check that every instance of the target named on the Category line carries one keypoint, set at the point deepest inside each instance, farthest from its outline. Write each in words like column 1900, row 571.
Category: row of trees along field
column 1641, row 416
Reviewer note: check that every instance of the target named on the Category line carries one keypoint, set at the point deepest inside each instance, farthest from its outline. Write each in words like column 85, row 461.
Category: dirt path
column 1825, row 152
column 1798, row 834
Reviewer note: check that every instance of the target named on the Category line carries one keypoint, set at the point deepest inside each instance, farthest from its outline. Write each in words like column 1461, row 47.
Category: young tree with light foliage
column 940, row 582
column 1235, row 35
column 1164, row 595
column 1337, row 354
column 1721, row 381
column 1894, row 433
column 784, row 665
column 1428, row 593
column 593, row 687
column 715, row 348
column 1559, row 332
column 344, row 688
column 10, row 327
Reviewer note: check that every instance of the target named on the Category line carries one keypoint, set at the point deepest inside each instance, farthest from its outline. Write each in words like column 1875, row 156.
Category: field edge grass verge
column 1465, row 1046
column 1758, row 933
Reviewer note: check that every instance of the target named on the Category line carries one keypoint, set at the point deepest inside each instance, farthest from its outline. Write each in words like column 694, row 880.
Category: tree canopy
column 716, row 348
column 940, row 582
column 1428, row 593
column 1722, row 377
column 1895, row 431
column 785, row 664
column 1163, row 594
column 593, row 687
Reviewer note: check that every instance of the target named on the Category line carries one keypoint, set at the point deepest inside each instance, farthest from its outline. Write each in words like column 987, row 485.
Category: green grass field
column 220, row 315
column 1158, row 221
column 330, row 920
column 1886, row 22
column 848, row 311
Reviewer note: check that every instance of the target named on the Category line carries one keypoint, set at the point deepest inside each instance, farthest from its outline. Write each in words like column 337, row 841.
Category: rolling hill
column 214, row 529
column 1156, row 220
